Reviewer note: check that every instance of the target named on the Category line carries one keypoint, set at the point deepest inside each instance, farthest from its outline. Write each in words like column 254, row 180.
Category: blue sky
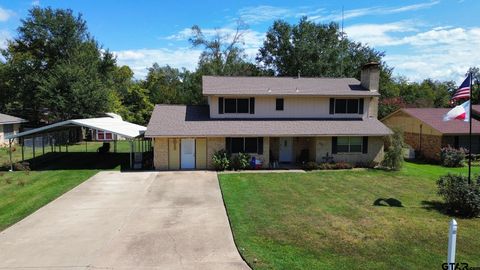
column 436, row 39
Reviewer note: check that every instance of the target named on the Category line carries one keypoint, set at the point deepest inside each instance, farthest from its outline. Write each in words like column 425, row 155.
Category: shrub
column 221, row 160
column 451, row 157
column 326, row 166
column 240, row 161
column 21, row 166
column 368, row 165
column 335, row 166
column 393, row 158
column 460, row 197
column 311, row 165
column 342, row 166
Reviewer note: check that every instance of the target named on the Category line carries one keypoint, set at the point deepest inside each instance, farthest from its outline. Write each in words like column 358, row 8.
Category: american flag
column 464, row 90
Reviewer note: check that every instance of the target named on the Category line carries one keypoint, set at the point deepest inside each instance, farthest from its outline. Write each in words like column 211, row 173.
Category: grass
column 22, row 193
column 89, row 147
column 328, row 220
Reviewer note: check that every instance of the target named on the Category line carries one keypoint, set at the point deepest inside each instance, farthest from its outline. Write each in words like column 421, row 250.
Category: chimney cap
column 371, row 64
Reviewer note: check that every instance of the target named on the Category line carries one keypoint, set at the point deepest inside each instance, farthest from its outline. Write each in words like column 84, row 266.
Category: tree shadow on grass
column 441, row 208
column 391, row 202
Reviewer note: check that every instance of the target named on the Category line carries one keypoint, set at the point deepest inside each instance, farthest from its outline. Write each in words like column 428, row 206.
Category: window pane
column 342, row 141
column 242, row 105
column 251, row 145
column 342, row 148
column 8, row 128
column 237, row 145
column 279, row 104
column 230, row 105
column 340, row 105
column 355, row 148
column 352, row 106
column 356, row 141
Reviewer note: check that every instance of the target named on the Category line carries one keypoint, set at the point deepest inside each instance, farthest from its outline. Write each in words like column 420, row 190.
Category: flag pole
column 470, row 133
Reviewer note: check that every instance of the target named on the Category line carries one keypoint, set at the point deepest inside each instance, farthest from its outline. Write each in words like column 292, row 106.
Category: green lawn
column 22, row 193
column 89, row 147
column 327, row 220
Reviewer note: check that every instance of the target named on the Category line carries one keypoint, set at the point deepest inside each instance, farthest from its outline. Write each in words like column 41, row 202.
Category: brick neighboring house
column 425, row 131
column 9, row 125
column 276, row 119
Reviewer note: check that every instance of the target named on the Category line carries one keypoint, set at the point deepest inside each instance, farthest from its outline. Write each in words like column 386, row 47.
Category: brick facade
column 428, row 145
column 160, row 154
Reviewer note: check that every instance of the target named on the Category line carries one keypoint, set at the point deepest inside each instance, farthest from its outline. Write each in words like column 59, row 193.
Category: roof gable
column 8, row 119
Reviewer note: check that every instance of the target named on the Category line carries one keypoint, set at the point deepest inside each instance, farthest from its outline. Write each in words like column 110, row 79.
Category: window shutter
column 252, row 105
column 334, row 145
column 360, row 106
column 228, row 144
column 220, row 105
column 332, row 105
column 365, row 145
column 260, row 145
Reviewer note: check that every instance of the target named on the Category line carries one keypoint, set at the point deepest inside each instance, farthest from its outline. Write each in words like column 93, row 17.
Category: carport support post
column 131, row 154
column 43, row 145
column 23, row 153
column 10, row 154
column 33, row 146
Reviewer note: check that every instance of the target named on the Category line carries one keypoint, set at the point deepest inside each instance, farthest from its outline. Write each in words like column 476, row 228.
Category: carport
column 67, row 132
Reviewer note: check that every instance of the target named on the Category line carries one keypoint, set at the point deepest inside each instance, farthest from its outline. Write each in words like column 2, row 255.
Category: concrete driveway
column 145, row 220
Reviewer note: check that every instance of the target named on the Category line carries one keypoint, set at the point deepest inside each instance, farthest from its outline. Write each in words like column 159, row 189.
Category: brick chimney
column 370, row 76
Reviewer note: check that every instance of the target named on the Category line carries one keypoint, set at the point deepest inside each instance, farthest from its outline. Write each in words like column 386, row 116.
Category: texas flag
column 460, row 112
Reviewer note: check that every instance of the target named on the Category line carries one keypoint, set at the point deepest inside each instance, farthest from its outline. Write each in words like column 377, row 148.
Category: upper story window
column 279, row 104
column 236, row 105
column 346, row 106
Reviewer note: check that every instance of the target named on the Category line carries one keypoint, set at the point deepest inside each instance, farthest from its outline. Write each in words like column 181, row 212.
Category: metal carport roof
column 110, row 124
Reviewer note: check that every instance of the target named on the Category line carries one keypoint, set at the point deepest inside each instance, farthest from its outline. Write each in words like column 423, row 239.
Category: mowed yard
column 328, row 220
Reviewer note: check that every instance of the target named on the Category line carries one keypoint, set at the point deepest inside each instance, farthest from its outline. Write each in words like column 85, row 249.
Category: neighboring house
column 276, row 119
column 9, row 125
column 425, row 131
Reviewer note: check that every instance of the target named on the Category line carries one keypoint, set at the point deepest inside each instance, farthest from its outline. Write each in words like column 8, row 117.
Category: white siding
column 294, row 107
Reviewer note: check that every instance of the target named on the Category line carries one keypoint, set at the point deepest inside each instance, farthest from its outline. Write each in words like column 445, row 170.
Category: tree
column 222, row 53
column 56, row 69
column 313, row 50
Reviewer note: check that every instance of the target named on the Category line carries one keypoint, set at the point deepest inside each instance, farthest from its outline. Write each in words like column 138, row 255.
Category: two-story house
column 279, row 120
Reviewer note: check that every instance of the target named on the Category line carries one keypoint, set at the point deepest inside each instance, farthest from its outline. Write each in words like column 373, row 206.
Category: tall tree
column 313, row 50
column 223, row 53
column 57, row 70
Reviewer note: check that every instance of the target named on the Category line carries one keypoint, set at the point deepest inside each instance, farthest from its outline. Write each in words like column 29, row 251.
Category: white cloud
column 442, row 53
column 140, row 60
column 4, row 36
column 379, row 34
column 36, row 3
column 5, row 14
column 371, row 11
column 263, row 13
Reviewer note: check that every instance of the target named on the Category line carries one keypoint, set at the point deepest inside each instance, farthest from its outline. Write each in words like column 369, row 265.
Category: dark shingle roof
column 283, row 86
column 434, row 118
column 8, row 119
column 180, row 120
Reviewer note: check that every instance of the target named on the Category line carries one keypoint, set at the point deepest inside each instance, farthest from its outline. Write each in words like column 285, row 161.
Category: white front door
column 187, row 154
column 286, row 150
